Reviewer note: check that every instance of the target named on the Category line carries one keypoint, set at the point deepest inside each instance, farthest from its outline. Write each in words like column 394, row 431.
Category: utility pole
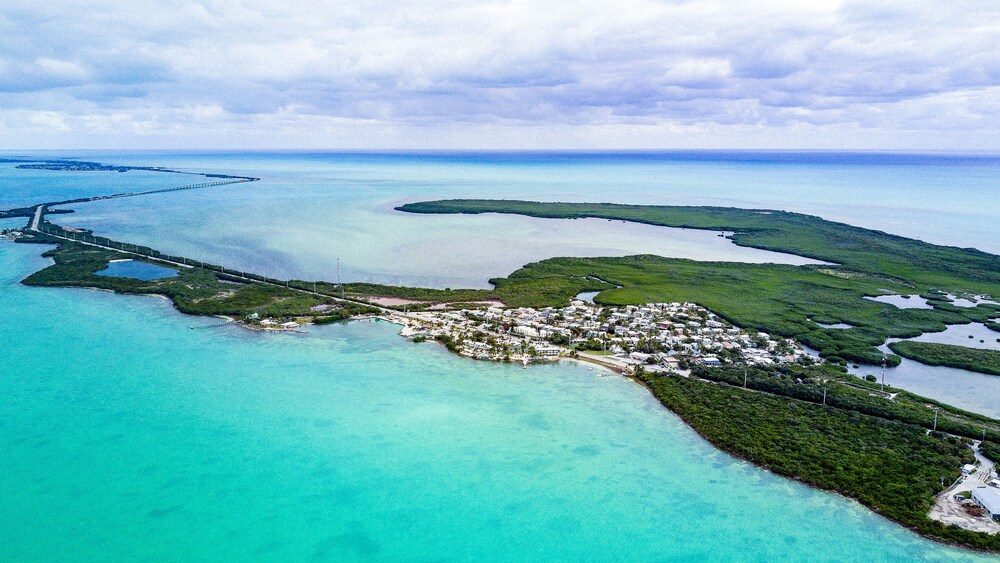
column 935, row 419
column 824, row 396
column 744, row 378
column 883, row 371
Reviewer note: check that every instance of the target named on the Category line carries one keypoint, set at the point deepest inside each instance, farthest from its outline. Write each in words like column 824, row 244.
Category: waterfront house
column 547, row 351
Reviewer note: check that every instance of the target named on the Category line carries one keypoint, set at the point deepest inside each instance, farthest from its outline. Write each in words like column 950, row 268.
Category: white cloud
column 525, row 72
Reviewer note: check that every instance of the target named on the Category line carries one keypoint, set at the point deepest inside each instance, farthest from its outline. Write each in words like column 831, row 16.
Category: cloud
column 381, row 73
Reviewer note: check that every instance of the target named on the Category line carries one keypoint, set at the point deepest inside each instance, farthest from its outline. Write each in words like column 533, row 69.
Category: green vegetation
column 994, row 326
column 844, row 391
column 195, row 291
column 515, row 292
column 415, row 293
column 890, row 466
column 27, row 212
column 775, row 298
column 991, row 450
column 972, row 359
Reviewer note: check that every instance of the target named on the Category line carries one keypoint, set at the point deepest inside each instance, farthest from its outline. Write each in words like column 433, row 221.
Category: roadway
column 36, row 219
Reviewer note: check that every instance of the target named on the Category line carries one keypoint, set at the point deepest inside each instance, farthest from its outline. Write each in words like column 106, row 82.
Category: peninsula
column 720, row 344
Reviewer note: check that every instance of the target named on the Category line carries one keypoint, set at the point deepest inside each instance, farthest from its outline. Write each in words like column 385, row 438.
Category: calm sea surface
column 124, row 435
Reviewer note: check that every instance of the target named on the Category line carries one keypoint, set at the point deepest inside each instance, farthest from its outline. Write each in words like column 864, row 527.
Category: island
column 726, row 346
column 950, row 355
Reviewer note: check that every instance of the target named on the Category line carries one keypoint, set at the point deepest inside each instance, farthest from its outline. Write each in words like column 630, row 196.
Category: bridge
column 234, row 180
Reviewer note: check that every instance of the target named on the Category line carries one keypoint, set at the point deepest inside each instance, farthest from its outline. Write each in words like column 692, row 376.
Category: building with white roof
column 989, row 499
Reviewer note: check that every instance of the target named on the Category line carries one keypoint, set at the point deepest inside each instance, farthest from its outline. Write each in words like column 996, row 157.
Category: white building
column 989, row 499
column 547, row 351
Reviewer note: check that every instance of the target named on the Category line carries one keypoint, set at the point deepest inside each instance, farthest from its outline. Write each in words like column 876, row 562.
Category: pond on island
column 136, row 270
column 903, row 301
column 834, row 325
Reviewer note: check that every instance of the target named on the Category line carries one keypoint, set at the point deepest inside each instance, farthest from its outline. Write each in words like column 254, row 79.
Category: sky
column 523, row 74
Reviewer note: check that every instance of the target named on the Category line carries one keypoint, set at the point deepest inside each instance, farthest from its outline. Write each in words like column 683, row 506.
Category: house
column 670, row 362
column 526, row 331
column 989, row 499
column 639, row 356
column 711, row 361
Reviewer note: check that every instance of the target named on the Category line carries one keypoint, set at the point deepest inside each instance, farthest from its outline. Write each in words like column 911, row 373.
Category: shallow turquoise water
column 127, row 436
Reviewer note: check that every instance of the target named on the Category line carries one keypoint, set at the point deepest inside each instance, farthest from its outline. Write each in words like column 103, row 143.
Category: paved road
column 37, row 217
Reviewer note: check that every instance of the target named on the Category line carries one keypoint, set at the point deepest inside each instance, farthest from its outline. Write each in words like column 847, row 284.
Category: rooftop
column 989, row 498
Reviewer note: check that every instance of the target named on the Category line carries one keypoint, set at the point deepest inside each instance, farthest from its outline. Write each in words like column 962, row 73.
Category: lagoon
column 136, row 270
column 309, row 209
column 903, row 301
column 972, row 335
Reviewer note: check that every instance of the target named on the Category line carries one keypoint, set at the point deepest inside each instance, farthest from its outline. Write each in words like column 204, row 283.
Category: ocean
column 126, row 435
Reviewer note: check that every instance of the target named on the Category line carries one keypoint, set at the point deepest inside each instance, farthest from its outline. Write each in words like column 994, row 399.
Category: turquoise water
column 127, row 436
column 311, row 210
column 124, row 435
column 137, row 270
column 19, row 188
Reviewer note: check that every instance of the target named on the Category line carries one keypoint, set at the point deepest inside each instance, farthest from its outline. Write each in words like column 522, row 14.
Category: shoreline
column 798, row 480
column 395, row 317
column 583, row 361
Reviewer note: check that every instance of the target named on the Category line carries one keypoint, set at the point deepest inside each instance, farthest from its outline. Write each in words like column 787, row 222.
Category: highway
column 36, row 218
column 35, row 227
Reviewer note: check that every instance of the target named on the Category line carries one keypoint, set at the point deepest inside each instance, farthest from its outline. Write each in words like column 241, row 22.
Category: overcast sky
column 520, row 74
